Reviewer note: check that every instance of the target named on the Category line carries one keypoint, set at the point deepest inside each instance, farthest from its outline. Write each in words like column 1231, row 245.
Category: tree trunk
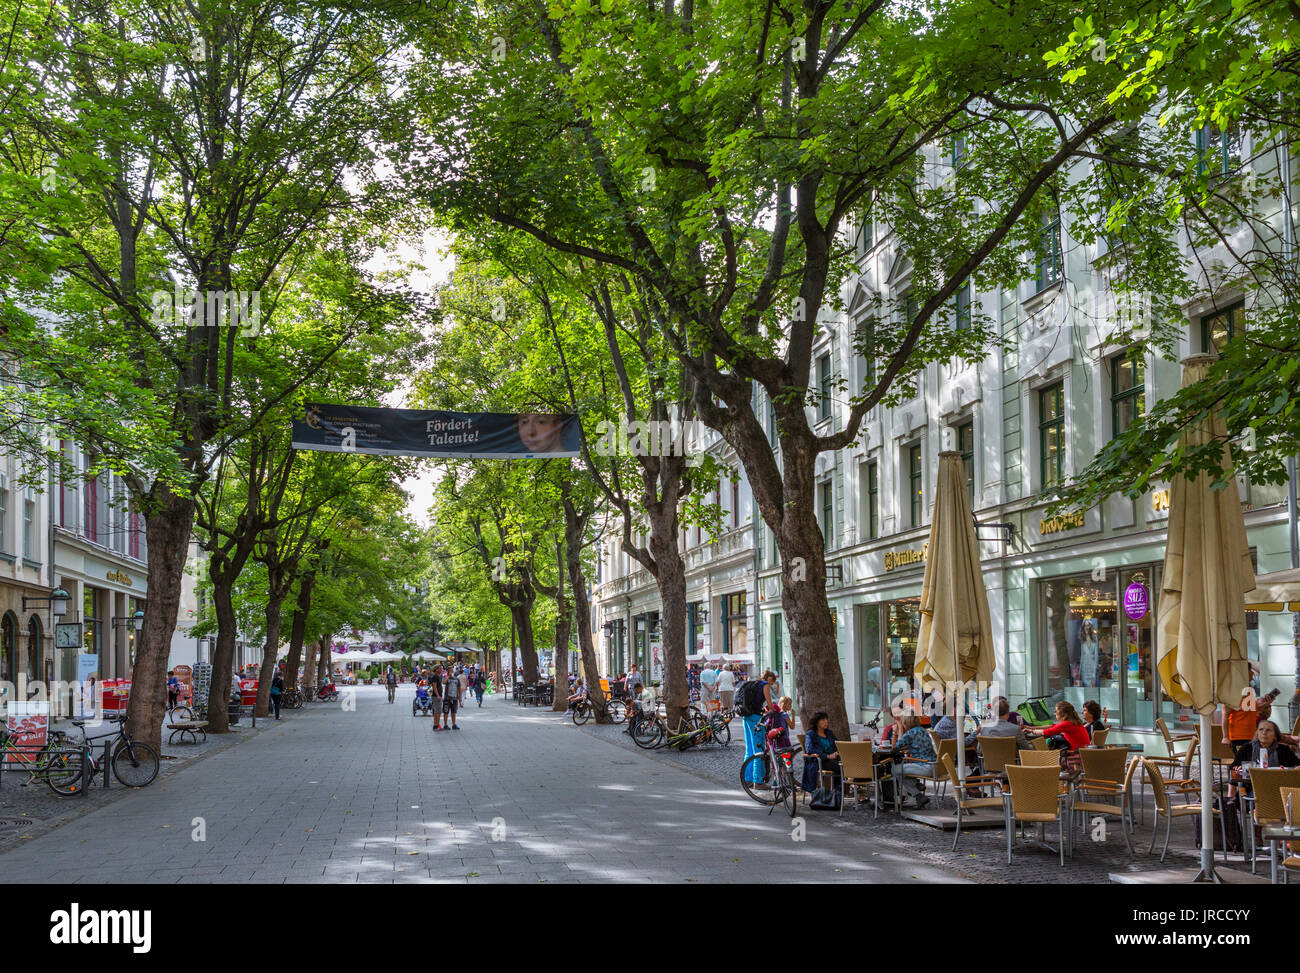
column 309, row 667
column 582, row 607
column 527, row 647
column 813, row 640
column 168, row 520
column 670, row 579
column 563, row 628
column 267, row 672
column 223, row 655
column 327, row 659
column 298, row 630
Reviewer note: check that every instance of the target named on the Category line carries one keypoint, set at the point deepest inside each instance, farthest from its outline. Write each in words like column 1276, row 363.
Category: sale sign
column 28, row 725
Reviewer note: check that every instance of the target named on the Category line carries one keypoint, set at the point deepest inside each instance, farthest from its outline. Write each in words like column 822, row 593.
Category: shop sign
column 898, row 559
column 1054, row 525
column 121, row 577
column 1136, row 601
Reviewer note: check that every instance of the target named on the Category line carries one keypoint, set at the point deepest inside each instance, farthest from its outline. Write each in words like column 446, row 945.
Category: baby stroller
column 423, row 702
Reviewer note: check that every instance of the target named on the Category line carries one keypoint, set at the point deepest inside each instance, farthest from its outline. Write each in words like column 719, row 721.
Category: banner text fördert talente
column 434, row 432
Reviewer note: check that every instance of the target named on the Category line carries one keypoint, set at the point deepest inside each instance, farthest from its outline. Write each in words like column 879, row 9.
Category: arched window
column 8, row 646
column 34, row 671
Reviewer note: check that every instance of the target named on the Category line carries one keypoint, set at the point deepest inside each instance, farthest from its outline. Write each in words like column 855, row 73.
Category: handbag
column 825, row 799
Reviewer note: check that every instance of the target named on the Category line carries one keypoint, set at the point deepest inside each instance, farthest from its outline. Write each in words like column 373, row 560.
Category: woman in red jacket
column 1069, row 726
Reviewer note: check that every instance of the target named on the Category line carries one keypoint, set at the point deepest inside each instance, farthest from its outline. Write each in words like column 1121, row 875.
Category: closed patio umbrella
column 955, row 644
column 1202, row 617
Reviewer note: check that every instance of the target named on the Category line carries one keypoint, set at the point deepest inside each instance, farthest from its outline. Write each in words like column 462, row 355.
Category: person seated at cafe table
column 1267, row 743
column 1092, row 718
column 1005, row 727
column 946, row 728
column 820, row 742
column 1069, row 727
column 579, row 693
column 914, row 756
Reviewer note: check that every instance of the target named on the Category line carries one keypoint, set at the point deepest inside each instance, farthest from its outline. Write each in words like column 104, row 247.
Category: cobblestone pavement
column 372, row 795
column 981, row 855
column 29, row 810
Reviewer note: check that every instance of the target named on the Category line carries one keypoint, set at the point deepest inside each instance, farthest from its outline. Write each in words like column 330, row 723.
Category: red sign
column 28, row 731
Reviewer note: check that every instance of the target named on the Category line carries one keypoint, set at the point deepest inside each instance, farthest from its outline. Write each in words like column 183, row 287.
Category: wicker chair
column 1106, row 773
column 1039, row 758
column 1035, row 799
column 997, row 753
column 1160, row 797
column 858, row 768
column 1266, row 785
column 1040, row 743
column 1291, row 805
column 1099, row 737
column 965, row 803
column 1173, row 740
column 940, row 776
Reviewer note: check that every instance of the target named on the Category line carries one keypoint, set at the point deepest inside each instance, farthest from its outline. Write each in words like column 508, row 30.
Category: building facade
column 1073, row 598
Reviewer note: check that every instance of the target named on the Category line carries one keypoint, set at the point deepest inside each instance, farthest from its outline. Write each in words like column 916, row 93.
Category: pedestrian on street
column 480, row 684
column 391, row 680
column 727, row 687
column 173, row 689
column 451, row 693
column 708, row 688
column 435, row 696
column 277, row 687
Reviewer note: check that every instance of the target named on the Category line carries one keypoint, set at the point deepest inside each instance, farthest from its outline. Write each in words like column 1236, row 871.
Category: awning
column 1275, row 592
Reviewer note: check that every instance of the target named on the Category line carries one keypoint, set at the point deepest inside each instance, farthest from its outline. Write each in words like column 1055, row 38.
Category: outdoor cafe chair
column 858, row 768
column 1167, row 809
column 997, row 752
column 1035, row 799
column 1039, row 758
column 1266, row 785
column 1180, row 767
column 1099, row 737
column 1221, row 755
column 966, row 803
column 940, row 777
column 1173, row 740
column 1105, row 775
column 1039, row 743
column 1291, row 805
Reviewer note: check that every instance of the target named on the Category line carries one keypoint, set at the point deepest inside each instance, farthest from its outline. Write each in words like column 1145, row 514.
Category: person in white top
column 708, row 687
column 727, row 687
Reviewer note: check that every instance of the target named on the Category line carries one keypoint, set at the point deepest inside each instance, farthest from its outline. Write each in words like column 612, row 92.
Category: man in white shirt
column 708, row 686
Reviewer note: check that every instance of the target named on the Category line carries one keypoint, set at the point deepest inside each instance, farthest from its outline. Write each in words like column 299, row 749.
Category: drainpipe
column 1288, row 243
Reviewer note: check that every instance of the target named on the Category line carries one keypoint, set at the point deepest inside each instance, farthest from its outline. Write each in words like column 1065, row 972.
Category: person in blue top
column 914, row 756
column 819, row 742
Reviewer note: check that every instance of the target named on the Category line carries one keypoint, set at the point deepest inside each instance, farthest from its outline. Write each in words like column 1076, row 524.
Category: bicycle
column 775, row 771
column 135, row 764
column 59, row 764
column 291, row 699
column 648, row 730
column 715, row 729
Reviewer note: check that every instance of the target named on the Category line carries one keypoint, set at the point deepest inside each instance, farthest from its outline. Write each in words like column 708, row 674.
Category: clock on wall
column 67, row 635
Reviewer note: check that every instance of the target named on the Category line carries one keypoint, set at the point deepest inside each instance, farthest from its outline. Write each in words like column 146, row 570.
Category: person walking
column 708, row 688
column 277, row 687
column 435, row 695
column 173, row 689
column 451, row 693
column 480, row 684
column 727, row 687
column 391, row 680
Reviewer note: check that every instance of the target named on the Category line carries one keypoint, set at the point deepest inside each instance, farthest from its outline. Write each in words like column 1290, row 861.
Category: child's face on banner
column 540, row 432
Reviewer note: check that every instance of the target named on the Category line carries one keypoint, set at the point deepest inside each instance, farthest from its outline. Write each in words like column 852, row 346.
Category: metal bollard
column 108, row 767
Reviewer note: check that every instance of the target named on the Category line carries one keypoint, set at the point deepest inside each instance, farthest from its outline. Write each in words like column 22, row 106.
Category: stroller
column 423, row 702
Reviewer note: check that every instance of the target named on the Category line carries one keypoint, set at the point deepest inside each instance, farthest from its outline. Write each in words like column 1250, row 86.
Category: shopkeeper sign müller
column 1136, row 602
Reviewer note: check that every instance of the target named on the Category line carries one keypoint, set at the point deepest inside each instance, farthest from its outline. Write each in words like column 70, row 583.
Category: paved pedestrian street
column 371, row 794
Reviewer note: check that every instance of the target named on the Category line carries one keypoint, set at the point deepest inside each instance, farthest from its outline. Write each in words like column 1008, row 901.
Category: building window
column 29, row 528
column 777, row 665
column 1217, row 329
column 828, row 514
column 965, row 435
column 91, row 631
column 735, row 503
column 957, row 152
column 865, row 239
column 866, row 338
column 734, row 632
column 873, row 500
column 4, row 513
column 771, row 424
column 1217, row 152
column 824, row 387
column 1127, row 390
column 915, row 484
column 1049, row 262
column 962, row 300
column 67, row 485
column 1051, row 435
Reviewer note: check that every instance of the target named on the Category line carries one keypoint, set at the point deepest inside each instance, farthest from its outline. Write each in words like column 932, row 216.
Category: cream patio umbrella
column 955, row 644
column 1202, row 616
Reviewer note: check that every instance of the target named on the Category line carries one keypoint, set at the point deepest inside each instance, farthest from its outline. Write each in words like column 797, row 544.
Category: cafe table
column 1274, row 833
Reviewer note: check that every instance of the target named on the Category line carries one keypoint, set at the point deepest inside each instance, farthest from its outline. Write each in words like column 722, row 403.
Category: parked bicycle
column 58, row 763
column 775, row 783
column 715, row 729
column 135, row 764
column 291, row 699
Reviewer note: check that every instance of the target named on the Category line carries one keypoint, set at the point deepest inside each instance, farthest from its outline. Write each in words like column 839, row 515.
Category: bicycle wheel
column 135, row 764
column 721, row 732
column 64, row 772
column 648, row 733
column 182, row 713
column 581, row 713
column 758, row 766
column 789, row 789
column 617, row 711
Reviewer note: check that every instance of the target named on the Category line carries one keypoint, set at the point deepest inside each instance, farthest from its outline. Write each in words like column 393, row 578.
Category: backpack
column 749, row 697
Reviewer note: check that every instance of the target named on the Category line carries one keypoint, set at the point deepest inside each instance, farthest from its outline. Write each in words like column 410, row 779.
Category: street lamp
column 57, row 600
column 136, row 621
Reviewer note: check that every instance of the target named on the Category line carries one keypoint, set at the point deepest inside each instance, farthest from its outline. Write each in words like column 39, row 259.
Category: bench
column 188, row 728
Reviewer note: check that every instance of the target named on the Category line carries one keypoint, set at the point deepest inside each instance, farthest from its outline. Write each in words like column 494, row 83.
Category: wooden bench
column 188, row 728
